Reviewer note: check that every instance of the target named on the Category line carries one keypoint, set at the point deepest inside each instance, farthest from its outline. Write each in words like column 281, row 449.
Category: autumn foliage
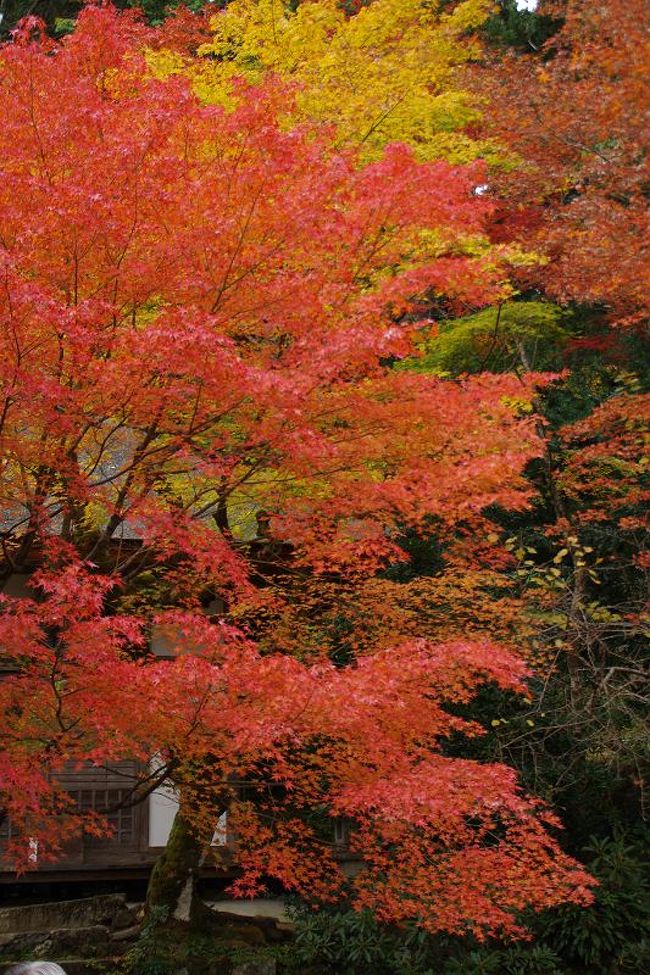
column 575, row 114
column 388, row 74
column 200, row 306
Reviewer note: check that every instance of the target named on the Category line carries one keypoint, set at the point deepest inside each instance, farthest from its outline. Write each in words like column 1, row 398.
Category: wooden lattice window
column 121, row 820
column 6, row 832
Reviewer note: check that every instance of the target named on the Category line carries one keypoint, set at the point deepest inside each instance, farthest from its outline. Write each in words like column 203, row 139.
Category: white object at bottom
column 36, row 968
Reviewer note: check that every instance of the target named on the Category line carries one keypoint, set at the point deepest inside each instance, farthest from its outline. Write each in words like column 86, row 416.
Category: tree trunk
column 174, row 913
column 171, row 893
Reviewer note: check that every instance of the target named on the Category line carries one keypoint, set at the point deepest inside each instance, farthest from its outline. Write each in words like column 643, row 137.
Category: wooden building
column 139, row 831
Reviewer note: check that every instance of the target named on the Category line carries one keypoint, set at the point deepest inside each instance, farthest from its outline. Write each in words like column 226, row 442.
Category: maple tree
column 574, row 590
column 198, row 306
column 592, row 595
column 386, row 73
column 575, row 114
column 577, row 564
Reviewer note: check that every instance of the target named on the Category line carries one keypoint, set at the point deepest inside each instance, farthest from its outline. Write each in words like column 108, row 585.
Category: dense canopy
column 316, row 505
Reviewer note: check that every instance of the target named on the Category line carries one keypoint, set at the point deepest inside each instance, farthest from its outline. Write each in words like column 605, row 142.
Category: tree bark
column 172, row 886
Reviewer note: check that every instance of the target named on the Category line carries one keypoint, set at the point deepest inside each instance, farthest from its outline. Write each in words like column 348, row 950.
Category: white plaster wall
column 163, row 806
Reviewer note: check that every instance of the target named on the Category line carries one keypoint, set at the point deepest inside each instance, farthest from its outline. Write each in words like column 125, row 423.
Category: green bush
column 613, row 932
column 496, row 338
column 148, row 956
column 348, row 942
column 517, row 960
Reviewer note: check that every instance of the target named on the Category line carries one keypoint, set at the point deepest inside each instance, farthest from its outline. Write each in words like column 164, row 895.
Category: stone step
column 272, row 930
column 109, row 910
column 251, row 907
column 88, row 942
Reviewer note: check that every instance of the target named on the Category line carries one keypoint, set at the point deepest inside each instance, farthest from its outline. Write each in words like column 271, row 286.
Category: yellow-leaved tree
column 389, row 73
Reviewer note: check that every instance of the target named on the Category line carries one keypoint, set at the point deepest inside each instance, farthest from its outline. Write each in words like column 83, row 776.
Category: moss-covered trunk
column 175, row 915
column 172, row 891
